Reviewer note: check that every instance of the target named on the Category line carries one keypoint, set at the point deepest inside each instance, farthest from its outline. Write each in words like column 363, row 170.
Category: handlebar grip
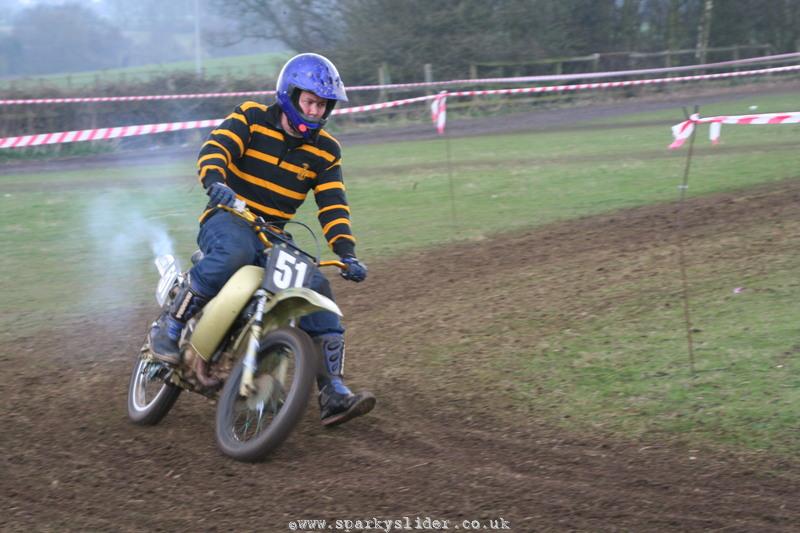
column 239, row 209
column 338, row 264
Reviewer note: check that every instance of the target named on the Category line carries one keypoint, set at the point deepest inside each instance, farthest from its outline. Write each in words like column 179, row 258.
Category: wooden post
column 93, row 116
column 30, row 118
column 473, row 75
column 383, row 79
column 427, row 71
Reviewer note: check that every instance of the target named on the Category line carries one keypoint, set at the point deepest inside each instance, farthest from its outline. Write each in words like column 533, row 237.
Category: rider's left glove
column 221, row 194
column 356, row 270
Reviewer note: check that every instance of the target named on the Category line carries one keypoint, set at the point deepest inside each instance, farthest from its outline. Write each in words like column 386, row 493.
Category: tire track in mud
column 444, row 441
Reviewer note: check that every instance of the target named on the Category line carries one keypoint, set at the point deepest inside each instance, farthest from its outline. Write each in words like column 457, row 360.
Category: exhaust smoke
column 124, row 245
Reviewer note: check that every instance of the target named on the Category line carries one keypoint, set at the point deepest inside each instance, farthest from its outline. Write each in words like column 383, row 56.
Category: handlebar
column 261, row 226
column 337, row 264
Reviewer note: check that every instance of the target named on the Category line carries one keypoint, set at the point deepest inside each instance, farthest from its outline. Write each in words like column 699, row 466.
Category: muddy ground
column 447, row 444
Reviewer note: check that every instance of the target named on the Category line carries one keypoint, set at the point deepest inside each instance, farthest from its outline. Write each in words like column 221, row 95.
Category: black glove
column 356, row 270
column 221, row 194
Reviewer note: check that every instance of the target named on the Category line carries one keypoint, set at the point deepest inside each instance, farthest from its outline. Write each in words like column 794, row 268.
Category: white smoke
column 160, row 242
column 124, row 244
column 132, row 231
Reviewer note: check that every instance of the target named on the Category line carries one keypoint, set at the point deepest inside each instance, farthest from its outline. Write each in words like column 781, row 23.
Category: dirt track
column 444, row 445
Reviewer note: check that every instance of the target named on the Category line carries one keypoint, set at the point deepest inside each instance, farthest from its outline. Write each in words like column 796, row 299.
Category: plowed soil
column 441, row 445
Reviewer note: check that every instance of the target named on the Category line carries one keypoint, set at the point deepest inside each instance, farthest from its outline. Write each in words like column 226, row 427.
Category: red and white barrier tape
column 684, row 130
column 95, row 99
column 439, row 111
column 128, row 131
column 146, row 129
column 381, row 105
column 626, row 83
column 581, row 75
column 22, row 141
column 102, row 133
column 518, row 79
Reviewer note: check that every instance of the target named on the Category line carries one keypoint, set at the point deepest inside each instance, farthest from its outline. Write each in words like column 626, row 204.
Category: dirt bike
column 244, row 341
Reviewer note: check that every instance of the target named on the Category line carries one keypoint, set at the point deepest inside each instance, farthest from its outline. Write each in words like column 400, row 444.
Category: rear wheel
column 150, row 397
column 248, row 428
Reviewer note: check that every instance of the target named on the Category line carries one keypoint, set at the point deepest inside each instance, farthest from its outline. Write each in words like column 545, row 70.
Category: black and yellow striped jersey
column 273, row 172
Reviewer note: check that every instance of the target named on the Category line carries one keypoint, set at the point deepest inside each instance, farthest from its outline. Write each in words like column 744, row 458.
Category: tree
column 628, row 25
column 774, row 22
column 303, row 25
column 361, row 35
column 704, row 31
column 152, row 15
column 64, row 38
column 9, row 56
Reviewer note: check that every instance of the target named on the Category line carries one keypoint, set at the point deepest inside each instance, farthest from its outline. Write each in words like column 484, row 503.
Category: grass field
column 266, row 65
column 70, row 237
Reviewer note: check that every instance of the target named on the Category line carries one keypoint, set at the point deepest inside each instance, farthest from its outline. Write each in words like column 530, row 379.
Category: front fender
column 291, row 304
column 221, row 312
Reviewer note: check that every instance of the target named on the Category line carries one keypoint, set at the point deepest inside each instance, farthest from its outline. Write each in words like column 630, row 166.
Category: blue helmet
column 315, row 74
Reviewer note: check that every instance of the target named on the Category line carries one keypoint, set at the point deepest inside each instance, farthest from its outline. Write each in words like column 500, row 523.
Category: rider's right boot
column 166, row 332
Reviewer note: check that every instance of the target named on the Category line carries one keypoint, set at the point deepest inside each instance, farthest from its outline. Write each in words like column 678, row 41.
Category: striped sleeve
column 334, row 213
column 224, row 145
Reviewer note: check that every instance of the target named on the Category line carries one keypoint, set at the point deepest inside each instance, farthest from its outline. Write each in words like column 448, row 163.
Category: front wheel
column 150, row 397
column 248, row 428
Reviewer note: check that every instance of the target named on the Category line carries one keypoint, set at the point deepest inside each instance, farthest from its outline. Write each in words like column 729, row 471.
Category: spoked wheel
column 150, row 397
column 248, row 428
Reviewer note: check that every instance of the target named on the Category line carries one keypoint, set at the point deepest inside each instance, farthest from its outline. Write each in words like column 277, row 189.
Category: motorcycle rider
column 271, row 157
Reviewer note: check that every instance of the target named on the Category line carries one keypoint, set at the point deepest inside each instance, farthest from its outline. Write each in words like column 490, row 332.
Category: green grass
column 75, row 242
column 741, row 105
column 266, row 65
column 628, row 371
column 401, row 192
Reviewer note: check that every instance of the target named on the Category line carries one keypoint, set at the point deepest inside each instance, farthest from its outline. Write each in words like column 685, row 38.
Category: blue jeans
column 228, row 243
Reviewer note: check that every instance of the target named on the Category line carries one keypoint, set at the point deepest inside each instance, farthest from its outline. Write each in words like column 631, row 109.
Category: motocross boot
column 166, row 332
column 337, row 404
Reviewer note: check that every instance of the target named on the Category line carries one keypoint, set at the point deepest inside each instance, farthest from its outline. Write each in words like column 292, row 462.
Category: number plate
column 287, row 268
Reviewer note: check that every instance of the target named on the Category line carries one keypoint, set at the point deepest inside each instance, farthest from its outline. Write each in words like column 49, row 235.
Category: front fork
column 248, row 386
